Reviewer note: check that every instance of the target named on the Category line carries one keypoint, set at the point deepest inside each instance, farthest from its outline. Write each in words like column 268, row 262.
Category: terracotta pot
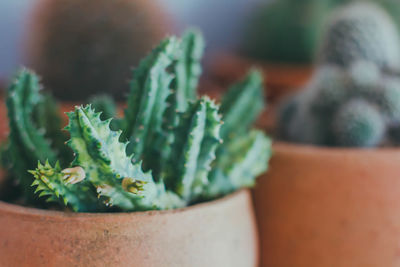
column 320, row 207
column 217, row 233
column 280, row 79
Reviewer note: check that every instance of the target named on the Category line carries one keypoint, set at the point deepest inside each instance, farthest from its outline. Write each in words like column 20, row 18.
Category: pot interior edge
column 11, row 208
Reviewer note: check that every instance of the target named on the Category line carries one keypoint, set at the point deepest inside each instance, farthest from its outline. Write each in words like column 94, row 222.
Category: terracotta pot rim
column 15, row 209
column 308, row 148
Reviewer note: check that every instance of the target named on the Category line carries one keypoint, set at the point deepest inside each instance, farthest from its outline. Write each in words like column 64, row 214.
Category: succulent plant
column 358, row 123
column 340, row 108
column 235, row 166
column 168, row 151
column 81, row 48
column 27, row 143
column 361, row 31
column 354, row 97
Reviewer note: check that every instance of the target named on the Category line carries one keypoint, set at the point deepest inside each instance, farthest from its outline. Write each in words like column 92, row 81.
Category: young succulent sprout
column 167, row 152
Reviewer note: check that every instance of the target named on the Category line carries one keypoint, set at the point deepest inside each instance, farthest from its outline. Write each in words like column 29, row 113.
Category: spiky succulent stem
column 193, row 150
column 240, row 108
column 188, row 68
column 27, row 142
column 65, row 187
column 242, row 104
column 147, row 99
column 170, row 162
column 243, row 161
column 103, row 157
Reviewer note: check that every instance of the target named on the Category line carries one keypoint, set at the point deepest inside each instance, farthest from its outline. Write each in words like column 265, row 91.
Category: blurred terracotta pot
column 320, row 207
column 217, row 233
column 280, row 79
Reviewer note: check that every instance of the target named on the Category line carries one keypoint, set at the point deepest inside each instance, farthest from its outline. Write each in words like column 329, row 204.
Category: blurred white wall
column 220, row 20
column 13, row 14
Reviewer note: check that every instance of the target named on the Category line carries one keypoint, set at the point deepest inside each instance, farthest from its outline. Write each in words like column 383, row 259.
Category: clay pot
column 280, row 79
column 217, row 233
column 320, row 207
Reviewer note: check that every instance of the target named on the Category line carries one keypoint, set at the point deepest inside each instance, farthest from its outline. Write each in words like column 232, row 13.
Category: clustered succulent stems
column 170, row 149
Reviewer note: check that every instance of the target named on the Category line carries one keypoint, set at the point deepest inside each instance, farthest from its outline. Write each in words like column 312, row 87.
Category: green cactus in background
column 340, row 108
column 286, row 30
column 360, row 31
column 330, row 87
column 165, row 153
column 354, row 96
column 388, row 98
column 358, row 123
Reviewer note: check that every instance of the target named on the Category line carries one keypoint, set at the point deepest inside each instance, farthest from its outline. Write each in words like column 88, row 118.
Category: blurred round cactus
column 388, row 98
column 337, row 109
column 360, row 31
column 358, row 124
column 330, row 88
column 81, row 48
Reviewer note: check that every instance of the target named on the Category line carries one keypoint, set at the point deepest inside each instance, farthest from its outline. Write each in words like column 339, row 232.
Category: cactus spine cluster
column 171, row 148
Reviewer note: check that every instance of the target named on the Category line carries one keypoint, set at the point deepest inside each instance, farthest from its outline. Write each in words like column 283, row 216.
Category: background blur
column 221, row 21
column 83, row 47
